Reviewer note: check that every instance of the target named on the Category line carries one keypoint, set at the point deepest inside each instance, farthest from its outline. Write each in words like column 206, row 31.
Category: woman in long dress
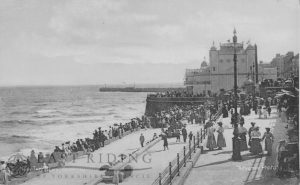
column 211, row 141
column 256, row 147
column 259, row 111
column 249, row 132
column 283, row 114
column 242, row 135
column 269, row 138
column 221, row 140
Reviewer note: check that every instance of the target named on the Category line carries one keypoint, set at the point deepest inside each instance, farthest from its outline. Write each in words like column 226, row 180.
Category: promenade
column 159, row 160
column 217, row 168
column 86, row 171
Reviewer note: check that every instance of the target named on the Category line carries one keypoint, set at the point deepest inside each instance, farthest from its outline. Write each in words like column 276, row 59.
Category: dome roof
column 250, row 47
column 204, row 64
column 213, row 48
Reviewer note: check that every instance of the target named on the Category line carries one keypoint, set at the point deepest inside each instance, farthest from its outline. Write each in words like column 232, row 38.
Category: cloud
column 134, row 32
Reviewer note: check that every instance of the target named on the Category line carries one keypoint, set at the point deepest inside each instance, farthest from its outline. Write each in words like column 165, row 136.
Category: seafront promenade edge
column 73, row 156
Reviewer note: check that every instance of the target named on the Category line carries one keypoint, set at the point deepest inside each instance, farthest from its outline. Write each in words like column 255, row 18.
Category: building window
column 214, row 69
column 220, row 60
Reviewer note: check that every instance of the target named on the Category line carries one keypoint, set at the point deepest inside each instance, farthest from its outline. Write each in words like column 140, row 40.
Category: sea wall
column 156, row 104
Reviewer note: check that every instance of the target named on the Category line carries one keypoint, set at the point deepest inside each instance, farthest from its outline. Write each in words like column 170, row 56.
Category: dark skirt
column 243, row 143
column 211, row 142
column 256, row 147
column 221, row 141
column 165, row 142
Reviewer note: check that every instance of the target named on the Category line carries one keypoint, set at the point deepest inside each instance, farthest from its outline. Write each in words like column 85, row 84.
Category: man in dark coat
column 142, row 140
column 184, row 133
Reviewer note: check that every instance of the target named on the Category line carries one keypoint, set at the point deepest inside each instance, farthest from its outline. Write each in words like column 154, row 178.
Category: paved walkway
column 84, row 172
column 217, row 168
column 156, row 160
column 87, row 170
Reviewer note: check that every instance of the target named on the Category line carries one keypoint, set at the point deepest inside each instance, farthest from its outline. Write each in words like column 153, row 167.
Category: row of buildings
column 217, row 74
column 287, row 65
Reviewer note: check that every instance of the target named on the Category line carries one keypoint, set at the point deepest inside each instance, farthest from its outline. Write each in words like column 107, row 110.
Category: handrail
column 164, row 177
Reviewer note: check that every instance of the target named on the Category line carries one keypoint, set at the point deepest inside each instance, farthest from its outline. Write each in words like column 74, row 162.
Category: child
column 269, row 110
column 265, row 113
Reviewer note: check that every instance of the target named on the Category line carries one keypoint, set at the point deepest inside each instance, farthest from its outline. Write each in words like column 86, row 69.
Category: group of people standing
column 211, row 141
column 253, row 144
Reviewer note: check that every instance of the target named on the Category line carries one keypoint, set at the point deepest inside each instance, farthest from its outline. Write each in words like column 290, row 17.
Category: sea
column 39, row 118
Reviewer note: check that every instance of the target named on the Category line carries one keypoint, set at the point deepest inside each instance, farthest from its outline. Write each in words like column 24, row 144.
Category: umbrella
column 280, row 95
column 16, row 157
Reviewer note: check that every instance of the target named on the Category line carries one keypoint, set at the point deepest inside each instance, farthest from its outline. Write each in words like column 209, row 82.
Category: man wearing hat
column 184, row 133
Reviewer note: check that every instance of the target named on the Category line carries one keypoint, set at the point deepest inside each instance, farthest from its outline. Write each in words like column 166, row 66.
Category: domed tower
column 214, row 68
column 204, row 64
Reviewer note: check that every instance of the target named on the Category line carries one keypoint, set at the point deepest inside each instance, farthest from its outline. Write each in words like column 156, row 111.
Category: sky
column 83, row 42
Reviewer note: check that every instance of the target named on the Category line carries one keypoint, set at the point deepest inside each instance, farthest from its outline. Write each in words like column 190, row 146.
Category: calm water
column 41, row 117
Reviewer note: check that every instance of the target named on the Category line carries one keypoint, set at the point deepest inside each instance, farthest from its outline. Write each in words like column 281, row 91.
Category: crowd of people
column 288, row 82
column 194, row 114
column 176, row 94
column 100, row 135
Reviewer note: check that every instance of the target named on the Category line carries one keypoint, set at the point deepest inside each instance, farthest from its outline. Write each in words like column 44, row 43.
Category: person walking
column 142, row 140
column 184, row 134
column 256, row 147
column 190, row 136
column 242, row 134
column 249, row 132
column 259, row 111
column 221, row 140
column 283, row 114
column 269, row 138
column 269, row 110
column 165, row 139
column 265, row 112
column 177, row 133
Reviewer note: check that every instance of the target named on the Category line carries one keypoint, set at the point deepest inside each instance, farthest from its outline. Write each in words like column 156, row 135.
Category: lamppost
column 236, row 153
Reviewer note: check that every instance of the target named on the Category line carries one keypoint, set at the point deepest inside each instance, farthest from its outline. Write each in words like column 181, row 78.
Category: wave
column 20, row 112
column 24, row 137
column 13, row 139
column 44, row 116
column 131, row 108
column 15, row 122
column 82, row 114
column 45, row 111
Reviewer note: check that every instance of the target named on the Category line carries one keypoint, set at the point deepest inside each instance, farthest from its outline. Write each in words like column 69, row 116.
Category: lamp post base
column 236, row 152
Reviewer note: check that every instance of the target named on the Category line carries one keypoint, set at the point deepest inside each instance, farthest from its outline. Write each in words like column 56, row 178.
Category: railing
column 173, row 169
column 178, row 99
